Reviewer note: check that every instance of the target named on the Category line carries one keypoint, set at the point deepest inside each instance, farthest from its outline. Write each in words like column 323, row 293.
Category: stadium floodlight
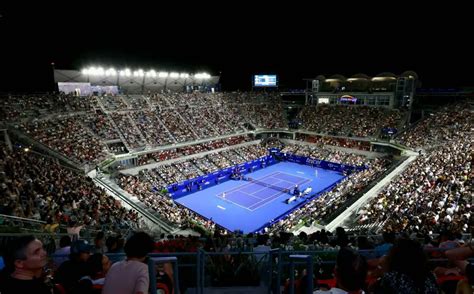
column 184, row 75
column 151, row 73
column 100, row 71
column 111, row 72
column 85, row 71
column 96, row 71
column 138, row 73
column 91, row 71
column 174, row 75
column 202, row 76
column 125, row 73
column 162, row 74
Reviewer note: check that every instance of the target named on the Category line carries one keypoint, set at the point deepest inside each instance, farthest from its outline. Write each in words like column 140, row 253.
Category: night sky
column 294, row 43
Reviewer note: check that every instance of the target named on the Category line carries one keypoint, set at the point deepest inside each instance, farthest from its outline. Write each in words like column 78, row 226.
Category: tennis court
column 259, row 192
column 249, row 206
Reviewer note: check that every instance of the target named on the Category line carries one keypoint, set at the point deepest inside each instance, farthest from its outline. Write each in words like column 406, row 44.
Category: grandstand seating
column 432, row 195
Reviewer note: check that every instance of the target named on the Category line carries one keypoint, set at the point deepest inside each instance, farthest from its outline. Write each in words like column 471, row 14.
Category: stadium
column 343, row 161
column 147, row 148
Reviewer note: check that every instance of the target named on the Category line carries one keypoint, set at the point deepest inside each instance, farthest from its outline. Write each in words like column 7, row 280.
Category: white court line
column 238, row 188
column 298, row 172
column 268, row 201
column 278, row 192
column 218, row 206
column 299, row 183
column 228, row 200
column 263, row 188
column 253, row 195
column 295, row 176
column 306, row 180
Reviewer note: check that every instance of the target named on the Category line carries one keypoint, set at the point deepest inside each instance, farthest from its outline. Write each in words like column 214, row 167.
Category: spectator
column 384, row 248
column 459, row 256
column 73, row 270
column 74, row 229
column 98, row 266
column 99, row 243
column 351, row 272
column 25, row 261
column 62, row 254
column 131, row 275
column 407, row 271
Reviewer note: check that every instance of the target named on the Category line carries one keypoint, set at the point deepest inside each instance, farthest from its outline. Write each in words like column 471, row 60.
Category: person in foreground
column 351, row 272
column 131, row 276
column 26, row 259
column 407, row 271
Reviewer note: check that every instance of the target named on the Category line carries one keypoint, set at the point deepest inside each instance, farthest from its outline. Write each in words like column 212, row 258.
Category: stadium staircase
column 122, row 138
column 223, row 121
column 339, row 221
column 137, row 130
column 347, row 215
column 125, row 101
column 164, row 126
column 186, row 122
column 150, row 105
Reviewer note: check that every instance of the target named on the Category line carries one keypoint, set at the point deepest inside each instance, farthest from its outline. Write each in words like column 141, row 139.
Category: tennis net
column 281, row 189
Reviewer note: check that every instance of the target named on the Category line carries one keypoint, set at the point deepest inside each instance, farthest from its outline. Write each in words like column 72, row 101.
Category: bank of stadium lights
column 100, row 71
column 151, row 73
column 139, row 73
column 202, row 76
column 125, row 73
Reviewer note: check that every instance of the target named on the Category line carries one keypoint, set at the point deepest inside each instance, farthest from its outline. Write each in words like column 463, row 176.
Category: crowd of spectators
column 435, row 191
column 342, row 120
column 319, row 209
column 324, row 153
column 68, row 137
column 38, row 188
column 345, row 263
column 139, row 121
column 334, row 141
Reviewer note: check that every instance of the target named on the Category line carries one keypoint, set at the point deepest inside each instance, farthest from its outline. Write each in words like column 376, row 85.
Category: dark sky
column 237, row 42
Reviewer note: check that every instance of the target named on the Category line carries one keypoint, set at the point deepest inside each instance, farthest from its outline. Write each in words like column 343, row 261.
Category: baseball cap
column 80, row 246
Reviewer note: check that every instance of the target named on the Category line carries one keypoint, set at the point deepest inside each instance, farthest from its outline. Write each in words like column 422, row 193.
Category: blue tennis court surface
column 248, row 206
column 253, row 195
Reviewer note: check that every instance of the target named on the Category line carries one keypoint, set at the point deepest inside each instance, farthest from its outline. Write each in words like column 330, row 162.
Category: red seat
column 59, row 289
column 442, row 279
column 163, row 287
column 330, row 282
